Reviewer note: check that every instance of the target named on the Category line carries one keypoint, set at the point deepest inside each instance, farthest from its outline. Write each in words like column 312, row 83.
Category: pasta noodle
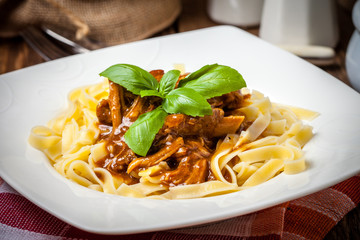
column 270, row 143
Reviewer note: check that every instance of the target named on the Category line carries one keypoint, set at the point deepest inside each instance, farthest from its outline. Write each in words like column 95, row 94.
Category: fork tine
column 42, row 45
column 76, row 48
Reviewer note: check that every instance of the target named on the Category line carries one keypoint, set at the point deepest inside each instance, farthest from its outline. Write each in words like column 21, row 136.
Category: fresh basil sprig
column 190, row 97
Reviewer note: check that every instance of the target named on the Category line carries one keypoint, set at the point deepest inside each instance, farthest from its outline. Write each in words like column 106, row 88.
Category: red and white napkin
column 310, row 217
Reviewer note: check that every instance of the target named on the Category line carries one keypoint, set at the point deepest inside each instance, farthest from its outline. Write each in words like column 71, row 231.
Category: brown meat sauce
column 185, row 143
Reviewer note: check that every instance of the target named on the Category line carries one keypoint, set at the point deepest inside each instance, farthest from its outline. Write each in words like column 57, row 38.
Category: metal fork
column 50, row 45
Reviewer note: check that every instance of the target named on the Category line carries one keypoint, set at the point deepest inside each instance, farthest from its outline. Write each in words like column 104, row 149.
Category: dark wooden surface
column 16, row 54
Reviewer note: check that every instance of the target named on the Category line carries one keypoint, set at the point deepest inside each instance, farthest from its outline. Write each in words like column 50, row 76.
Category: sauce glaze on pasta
column 247, row 141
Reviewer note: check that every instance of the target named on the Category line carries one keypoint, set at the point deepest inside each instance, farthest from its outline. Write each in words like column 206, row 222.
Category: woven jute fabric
column 108, row 21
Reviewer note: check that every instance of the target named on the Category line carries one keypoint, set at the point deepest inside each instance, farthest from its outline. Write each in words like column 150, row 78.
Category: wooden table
column 16, row 54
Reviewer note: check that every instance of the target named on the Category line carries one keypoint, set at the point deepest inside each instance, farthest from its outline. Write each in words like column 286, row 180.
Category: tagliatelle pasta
column 269, row 142
column 282, row 136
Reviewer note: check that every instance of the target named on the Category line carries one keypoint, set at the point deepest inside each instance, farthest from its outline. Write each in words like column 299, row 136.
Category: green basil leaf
column 141, row 134
column 186, row 101
column 145, row 93
column 131, row 77
column 168, row 81
column 199, row 73
column 214, row 80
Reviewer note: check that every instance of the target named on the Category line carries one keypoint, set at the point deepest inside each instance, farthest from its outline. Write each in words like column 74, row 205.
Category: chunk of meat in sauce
column 158, row 73
column 103, row 112
column 214, row 125
column 156, row 158
column 187, row 172
column 228, row 101
column 192, row 164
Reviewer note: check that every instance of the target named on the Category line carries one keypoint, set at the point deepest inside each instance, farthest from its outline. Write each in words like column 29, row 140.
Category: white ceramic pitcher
column 244, row 13
column 353, row 50
column 300, row 23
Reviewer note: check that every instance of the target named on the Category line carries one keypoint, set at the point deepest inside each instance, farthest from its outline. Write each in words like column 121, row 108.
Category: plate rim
column 220, row 217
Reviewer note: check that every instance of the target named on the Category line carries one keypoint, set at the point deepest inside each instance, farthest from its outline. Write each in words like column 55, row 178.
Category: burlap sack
column 108, row 21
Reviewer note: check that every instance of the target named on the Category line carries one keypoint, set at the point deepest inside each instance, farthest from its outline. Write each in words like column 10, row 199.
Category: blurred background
column 318, row 31
column 323, row 32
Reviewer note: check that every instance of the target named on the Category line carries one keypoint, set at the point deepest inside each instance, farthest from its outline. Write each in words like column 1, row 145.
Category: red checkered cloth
column 310, row 217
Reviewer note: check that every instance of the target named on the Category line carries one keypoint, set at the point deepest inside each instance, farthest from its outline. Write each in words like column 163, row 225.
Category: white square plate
column 34, row 95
